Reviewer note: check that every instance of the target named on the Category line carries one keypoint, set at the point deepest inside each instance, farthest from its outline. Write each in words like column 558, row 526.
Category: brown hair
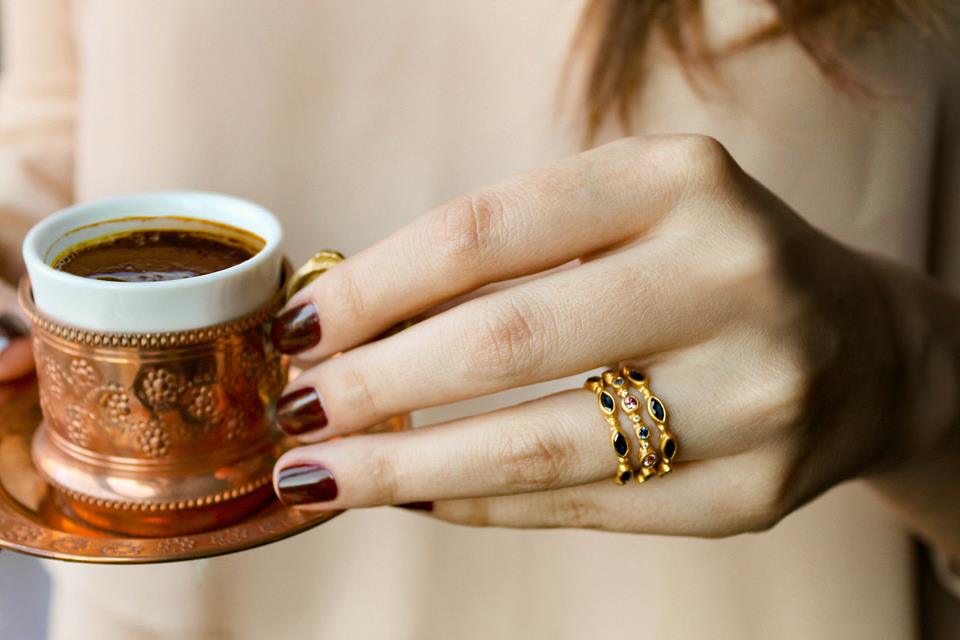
column 615, row 33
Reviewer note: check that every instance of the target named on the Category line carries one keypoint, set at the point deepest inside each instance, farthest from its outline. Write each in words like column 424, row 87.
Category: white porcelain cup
column 145, row 307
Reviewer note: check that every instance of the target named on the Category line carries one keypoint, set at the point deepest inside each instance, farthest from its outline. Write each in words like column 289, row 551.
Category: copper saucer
column 32, row 521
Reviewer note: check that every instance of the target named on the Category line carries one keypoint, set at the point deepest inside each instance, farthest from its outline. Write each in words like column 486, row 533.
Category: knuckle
column 706, row 161
column 383, row 479
column 467, row 229
column 779, row 395
column 355, row 393
column 755, row 497
column 473, row 512
column 343, row 291
column 528, row 461
column 768, row 503
column 509, row 340
column 790, row 388
column 569, row 509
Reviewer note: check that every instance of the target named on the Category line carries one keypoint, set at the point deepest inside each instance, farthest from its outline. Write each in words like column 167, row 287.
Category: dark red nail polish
column 300, row 411
column 306, row 483
column 296, row 329
column 417, row 506
column 10, row 330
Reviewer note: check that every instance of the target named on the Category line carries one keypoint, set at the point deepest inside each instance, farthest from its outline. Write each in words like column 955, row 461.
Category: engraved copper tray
column 32, row 521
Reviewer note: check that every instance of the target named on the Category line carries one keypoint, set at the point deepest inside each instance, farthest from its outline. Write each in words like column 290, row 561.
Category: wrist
column 920, row 483
column 924, row 335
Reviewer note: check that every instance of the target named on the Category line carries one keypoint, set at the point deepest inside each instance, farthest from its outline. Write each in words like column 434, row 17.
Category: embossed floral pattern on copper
column 170, row 424
column 201, row 402
column 79, row 425
column 114, row 404
column 172, row 402
column 153, row 439
column 83, row 375
column 158, row 388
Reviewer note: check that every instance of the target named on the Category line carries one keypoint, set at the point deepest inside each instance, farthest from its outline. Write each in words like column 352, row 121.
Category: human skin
column 16, row 359
column 789, row 362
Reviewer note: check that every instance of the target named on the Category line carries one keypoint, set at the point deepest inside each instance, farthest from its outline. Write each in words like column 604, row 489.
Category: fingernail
column 306, row 483
column 300, row 411
column 296, row 329
column 10, row 330
column 417, row 506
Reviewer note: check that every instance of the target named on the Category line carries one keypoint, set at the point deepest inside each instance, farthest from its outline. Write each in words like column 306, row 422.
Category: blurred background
column 24, row 590
column 24, row 597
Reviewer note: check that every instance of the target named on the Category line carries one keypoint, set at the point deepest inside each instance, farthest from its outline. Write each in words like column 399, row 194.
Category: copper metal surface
column 157, row 434
column 150, row 447
column 33, row 521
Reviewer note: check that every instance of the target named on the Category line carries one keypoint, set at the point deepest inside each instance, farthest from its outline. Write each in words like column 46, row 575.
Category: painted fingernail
column 296, row 329
column 300, row 411
column 10, row 330
column 306, row 483
column 417, row 506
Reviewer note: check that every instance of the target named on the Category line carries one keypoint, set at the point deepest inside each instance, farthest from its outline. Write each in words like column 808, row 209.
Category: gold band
column 658, row 413
column 311, row 270
column 647, row 457
column 618, row 439
column 320, row 263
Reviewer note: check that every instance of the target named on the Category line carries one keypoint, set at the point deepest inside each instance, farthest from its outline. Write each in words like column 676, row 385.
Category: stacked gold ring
column 614, row 387
column 658, row 413
column 647, row 457
column 618, row 439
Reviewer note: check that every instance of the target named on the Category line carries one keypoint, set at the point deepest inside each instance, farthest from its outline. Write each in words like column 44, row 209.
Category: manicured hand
column 780, row 353
column 16, row 359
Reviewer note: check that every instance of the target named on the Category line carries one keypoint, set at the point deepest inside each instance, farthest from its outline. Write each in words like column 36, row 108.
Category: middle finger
column 556, row 326
column 547, row 443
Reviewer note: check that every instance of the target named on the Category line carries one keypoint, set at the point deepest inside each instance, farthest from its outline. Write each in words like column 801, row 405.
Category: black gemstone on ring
column 620, row 444
column 607, row 402
column 594, row 379
column 657, row 410
column 635, row 375
column 625, row 476
column 669, row 449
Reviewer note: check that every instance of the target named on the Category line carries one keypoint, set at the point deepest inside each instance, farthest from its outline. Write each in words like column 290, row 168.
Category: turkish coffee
column 155, row 255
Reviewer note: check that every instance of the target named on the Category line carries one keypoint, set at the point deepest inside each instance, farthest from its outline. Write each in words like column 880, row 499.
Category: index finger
column 546, row 218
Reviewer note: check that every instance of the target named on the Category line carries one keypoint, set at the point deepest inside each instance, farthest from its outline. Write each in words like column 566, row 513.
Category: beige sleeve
column 944, row 260
column 945, row 228
column 38, row 97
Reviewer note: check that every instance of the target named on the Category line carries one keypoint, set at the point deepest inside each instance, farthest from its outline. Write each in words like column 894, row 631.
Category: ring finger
column 552, row 442
column 705, row 498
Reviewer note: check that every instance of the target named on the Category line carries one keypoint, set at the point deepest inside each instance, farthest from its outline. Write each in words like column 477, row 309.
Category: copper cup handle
column 311, row 270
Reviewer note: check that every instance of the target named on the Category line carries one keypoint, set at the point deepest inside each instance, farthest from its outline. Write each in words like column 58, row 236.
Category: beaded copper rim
column 151, row 506
column 162, row 340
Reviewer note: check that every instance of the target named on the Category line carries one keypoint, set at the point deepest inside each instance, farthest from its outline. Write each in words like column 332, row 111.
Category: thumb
column 16, row 359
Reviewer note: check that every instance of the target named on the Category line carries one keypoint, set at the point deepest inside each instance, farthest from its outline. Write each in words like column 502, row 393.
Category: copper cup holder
column 157, row 433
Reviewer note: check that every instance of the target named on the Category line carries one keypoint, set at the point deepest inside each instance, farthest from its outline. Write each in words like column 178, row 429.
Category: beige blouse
column 349, row 119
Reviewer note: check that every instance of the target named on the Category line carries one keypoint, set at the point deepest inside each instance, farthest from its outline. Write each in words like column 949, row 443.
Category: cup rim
column 32, row 252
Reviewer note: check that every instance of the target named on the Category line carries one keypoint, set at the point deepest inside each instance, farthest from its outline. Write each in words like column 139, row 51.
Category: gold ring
column 658, row 413
column 618, row 439
column 647, row 457
column 317, row 265
column 311, row 269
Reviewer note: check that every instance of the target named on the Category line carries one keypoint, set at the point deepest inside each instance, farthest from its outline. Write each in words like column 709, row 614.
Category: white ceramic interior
column 139, row 307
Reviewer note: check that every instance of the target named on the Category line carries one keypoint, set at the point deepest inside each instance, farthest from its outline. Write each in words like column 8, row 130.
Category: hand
column 775, row 349
column 16, row 359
